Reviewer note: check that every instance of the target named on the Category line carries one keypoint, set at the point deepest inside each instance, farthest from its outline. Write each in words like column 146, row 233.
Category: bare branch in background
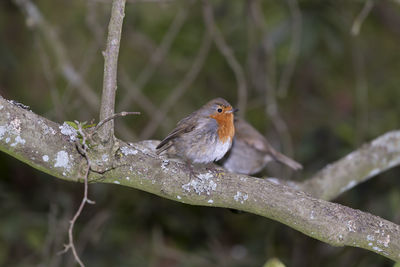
column 361, row 91
column 261, row 52
column 58, row 107
column 85, row 199
column 141, row 99
column 355, row 29
column 141, row 40
column 57, row 220
column 93, row 49
column 157, row 57
column 106, row 133
column 93, row 24
column 289, row 68
column 91, row 232
column 126, row 131
column 162, row 249
column 178, row 91
column 280, row 125
column 135, row 94
column 267, row 85
column 35, row 19
column 133, row 90
column 138, row 166
column 361, row 84
column 388, row 16
column 226, row 51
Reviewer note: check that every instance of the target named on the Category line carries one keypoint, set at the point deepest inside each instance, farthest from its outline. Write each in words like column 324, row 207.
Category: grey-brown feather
column 195, row 137
column 251, row 151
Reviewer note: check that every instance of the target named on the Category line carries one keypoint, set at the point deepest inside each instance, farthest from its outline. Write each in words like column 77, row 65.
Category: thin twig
column 178, row 91
column 294, row 50
column 226, row 51
column 107, row 106
column 98, row 33
column 110, row 69
column 83, row 149
column 355, row 29
column 271, row 109
column 85, row 200
column 158, row 56
column 121, row 114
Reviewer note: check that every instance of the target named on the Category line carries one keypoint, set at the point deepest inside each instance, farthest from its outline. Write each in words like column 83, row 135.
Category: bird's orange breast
column 226, row 129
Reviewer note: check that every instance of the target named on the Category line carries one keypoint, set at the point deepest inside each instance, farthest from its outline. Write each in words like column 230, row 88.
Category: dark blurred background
column 316, row 78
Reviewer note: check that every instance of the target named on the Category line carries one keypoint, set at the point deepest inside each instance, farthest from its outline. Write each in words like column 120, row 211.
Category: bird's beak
column 233, row 110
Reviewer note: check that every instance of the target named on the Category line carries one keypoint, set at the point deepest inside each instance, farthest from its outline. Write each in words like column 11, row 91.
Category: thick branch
column 110, row 68
column 39, row 143
column 371, row 159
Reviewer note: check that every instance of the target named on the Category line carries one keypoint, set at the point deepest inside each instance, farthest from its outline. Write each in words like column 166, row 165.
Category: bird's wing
column 185, row 125
column 249, row 135
column 253, row 138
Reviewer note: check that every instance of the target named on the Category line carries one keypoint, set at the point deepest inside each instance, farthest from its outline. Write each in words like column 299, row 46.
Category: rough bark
column 47, row 146
column 371, row 159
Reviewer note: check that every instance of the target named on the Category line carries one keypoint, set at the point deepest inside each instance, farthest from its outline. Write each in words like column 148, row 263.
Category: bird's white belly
column 214, row 153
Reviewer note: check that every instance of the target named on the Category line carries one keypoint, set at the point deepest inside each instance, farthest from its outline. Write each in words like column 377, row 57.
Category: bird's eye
column 219, row 110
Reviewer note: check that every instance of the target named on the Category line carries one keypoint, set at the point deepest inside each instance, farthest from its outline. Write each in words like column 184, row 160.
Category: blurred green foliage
column 344, row 91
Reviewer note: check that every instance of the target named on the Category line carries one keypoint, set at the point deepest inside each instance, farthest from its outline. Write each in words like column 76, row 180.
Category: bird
column 204, row 136
column 251, row 151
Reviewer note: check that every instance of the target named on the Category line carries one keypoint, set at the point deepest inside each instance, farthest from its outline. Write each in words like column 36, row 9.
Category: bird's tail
column 286, row 160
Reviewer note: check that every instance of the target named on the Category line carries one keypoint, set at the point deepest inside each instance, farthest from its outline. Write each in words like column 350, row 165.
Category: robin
column 204, row 136
column 251, row 151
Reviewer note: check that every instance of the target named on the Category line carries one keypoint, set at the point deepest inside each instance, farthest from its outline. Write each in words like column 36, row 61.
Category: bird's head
column 220, row 110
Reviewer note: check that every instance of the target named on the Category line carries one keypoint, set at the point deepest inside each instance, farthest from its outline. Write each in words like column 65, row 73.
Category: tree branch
column 136, row 165
column 35, row 19
column 157, row 56
column 226, row 51
column 180, row 89
column 106, row 133
column 371, row 159
column 266, row 71
column 355, row 28
column 296, row 25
